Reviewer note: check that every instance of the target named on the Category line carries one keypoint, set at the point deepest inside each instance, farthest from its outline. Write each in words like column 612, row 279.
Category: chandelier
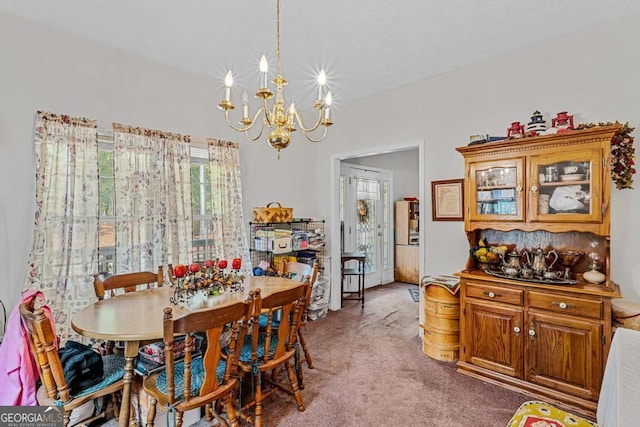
column 279, row 120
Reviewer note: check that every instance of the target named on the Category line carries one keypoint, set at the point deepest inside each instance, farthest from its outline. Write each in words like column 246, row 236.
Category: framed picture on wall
column 447, row 200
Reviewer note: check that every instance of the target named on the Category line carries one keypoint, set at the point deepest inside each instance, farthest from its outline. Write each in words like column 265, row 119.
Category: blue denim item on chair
column 275, row 321
column 245, row 354
column 197, row 375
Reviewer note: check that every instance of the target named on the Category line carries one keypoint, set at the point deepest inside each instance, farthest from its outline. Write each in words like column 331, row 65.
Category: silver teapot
column 537, row 259
column 512, row 259
column 510, row 270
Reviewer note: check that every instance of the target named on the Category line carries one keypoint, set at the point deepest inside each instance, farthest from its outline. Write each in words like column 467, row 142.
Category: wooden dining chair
column 54, row 390
column 110, row 286
column 301, row 271
column 267, row 349
column 195, row 382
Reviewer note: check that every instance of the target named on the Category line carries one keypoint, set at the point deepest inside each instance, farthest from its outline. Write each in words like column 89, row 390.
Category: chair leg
column 179, row 418
column 300, row 376
column 307, row 355
column 258, row 399
column 274, row 374
column 221, row 421
column 151, row 412
column 115, row 405
column 133, row 421
column 232, row 414
column 298, row 365
column 208, row 412
column 294, row 386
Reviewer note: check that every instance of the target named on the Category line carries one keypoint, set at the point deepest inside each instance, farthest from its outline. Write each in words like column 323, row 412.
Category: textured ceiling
column 367, row 47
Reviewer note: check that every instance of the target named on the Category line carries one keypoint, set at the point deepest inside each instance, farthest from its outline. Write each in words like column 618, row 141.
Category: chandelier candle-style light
column 281, row 121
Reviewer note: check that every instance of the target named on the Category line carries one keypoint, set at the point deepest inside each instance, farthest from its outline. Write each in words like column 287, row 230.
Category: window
column 202, row 237
column 201, row 205
column 106, row 212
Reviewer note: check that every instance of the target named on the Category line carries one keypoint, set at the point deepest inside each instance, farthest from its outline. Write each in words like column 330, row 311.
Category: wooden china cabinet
column 544, row 337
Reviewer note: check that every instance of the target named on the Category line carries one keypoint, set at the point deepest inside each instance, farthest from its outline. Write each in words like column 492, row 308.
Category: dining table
column 136, row 317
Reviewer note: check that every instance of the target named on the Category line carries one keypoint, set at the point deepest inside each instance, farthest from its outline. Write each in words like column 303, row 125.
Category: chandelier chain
column 278, row 36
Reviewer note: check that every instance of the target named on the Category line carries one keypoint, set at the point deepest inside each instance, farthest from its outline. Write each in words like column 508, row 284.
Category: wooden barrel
column 441, row 331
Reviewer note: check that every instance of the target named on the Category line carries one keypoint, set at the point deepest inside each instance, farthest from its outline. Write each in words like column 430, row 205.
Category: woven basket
column 272, row 214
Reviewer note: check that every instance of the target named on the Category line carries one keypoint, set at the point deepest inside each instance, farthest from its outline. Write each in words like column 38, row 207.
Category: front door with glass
column 366, row 219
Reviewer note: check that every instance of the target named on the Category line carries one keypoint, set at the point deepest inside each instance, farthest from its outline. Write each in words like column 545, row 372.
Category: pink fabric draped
column 18, row 370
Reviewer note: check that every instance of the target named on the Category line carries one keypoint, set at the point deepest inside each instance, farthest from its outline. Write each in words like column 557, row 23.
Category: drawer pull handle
column 492, row 294
column 563, row 305
column 532, row 331
column 516, row 329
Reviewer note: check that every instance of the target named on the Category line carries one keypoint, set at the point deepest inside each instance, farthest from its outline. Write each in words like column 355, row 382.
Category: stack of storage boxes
column 300, row 240
column 273, row 240
column 319, row 304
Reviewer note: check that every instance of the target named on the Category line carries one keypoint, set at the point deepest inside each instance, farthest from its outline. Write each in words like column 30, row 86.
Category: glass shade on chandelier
column 279, row 121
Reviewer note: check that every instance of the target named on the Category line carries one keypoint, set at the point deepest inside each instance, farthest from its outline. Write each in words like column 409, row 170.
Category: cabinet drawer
column 494, row 293
column 566, row 304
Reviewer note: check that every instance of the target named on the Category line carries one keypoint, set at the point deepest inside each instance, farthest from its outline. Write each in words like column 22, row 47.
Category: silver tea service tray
column 534, row 279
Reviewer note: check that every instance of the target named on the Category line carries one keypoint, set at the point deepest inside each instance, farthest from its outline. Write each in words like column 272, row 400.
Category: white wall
column 593, row 74
column 402, row 164
column 47, row 70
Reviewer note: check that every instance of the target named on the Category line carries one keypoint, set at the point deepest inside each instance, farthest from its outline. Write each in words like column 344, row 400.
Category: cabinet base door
column 408, row 264
column 493, row 338
column 565, row 354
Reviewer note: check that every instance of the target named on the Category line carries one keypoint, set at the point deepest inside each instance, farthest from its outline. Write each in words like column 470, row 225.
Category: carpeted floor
column 370, row 371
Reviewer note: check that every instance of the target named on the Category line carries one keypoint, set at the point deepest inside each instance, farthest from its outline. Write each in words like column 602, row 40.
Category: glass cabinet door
column 566, row 187
column 496, row 190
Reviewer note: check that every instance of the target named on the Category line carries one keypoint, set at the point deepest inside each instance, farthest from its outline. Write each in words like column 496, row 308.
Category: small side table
column 346, row 272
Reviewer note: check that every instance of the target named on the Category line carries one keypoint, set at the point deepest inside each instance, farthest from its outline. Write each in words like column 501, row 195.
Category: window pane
column 367, row 233
column 106, row 197
column 106, row 246
column 105, row 163
column 202, row 240
column 386, row 215
column 200, row 189
column 201, row 202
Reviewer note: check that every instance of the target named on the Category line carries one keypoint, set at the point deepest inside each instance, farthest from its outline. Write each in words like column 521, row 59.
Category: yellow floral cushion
column 540, row 414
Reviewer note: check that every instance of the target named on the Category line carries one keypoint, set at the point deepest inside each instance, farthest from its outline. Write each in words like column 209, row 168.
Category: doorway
column 366, row 218
column 382, row 157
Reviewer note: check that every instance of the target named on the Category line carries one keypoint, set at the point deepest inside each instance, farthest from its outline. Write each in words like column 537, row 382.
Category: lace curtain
column 367, row 189
column 152, row 198
column 152, row 173
column 64, row 254
column 228, row 224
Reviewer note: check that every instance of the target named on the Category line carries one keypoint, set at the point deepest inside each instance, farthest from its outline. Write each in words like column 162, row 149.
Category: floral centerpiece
column 211, row 278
